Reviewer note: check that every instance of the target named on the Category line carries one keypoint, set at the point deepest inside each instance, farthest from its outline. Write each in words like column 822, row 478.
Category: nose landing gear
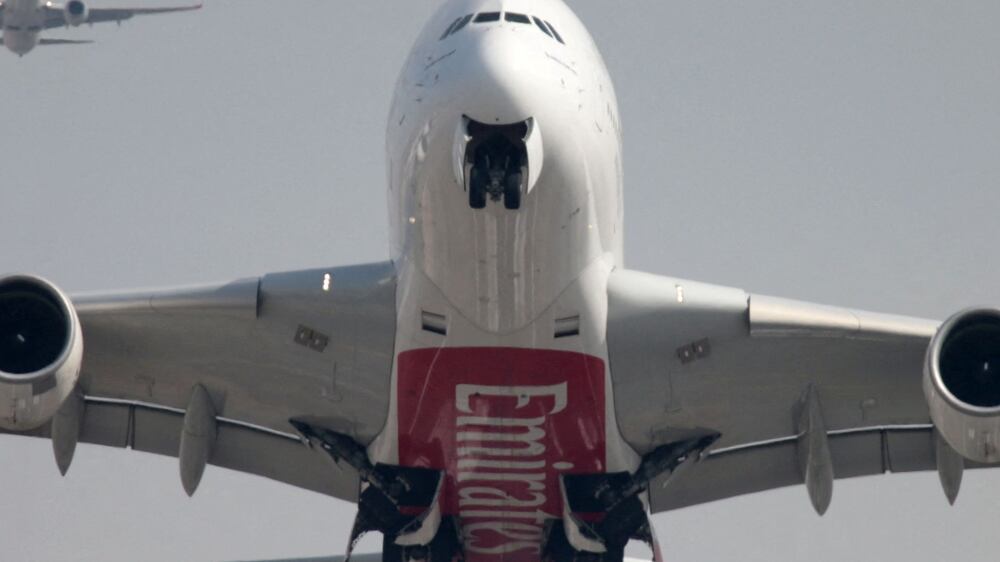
column 495, row 184
column 497, row 162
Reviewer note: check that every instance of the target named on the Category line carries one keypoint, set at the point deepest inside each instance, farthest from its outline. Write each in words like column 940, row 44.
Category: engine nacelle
column 962, row 383
column 41, row 351
column 76, row 12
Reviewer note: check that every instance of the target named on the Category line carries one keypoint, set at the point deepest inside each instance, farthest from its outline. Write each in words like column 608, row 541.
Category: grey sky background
column 844, row 152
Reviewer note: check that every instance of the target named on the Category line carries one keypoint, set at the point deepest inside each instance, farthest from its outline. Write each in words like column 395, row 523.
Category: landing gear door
column 459, row 146
column 536, row 154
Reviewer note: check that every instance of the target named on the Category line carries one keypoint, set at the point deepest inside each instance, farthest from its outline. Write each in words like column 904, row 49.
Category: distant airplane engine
column 41, row 350
column 962, row 383
column 76, row 12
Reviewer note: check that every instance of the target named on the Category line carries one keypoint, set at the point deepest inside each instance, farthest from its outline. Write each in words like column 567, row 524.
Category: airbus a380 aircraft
column 23, row 21
column 504, row 388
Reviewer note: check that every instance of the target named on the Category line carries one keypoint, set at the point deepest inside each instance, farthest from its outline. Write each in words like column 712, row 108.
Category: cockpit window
column 487, row 17
column 516, row 18
column 465, row 21
column 451, row 28
column 541, row 26
column 459, row 23
column 555, row 33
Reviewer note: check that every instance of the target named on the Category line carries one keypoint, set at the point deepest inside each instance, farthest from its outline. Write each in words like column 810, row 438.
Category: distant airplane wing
column 55, row 14
column 48, row 41
column 309, row 343
column 797, row 390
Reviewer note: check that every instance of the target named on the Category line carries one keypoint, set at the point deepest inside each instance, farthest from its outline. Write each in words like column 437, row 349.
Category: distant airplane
column 504, row 389
column 23, row 21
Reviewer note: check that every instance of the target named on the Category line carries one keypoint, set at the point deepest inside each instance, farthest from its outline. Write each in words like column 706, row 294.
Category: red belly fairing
column 503, row 423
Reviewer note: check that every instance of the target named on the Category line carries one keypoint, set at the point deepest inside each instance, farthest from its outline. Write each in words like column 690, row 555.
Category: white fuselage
column 23, row 22
column 482, row 386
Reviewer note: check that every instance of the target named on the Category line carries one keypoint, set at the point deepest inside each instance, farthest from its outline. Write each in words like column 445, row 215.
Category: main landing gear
column 616, row 498
column 402, row 503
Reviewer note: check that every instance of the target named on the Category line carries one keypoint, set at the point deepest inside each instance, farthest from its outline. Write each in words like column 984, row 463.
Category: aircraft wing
column 314, row 344
column 49, row 41
column 55, row 17
column 796, row 390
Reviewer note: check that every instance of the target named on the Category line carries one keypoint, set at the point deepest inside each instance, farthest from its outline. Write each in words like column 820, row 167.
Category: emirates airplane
column 22, row 21
column 503, row 389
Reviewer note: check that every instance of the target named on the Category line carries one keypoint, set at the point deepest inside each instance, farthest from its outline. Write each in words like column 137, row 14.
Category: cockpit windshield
column 483, row 18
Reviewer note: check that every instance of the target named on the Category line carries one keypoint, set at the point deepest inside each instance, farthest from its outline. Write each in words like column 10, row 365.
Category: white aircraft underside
column 23, row 21
column 504, row 387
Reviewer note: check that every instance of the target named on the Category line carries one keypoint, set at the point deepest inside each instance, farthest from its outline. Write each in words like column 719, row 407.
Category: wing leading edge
column 801, row 393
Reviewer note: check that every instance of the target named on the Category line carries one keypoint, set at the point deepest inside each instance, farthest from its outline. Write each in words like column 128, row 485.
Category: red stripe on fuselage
column 503, row 423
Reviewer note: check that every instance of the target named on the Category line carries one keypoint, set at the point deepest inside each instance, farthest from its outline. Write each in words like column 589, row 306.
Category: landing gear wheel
column 477, row 189
column 558, row 549
column 444, row 547
column 391, row 552
column 512, row 192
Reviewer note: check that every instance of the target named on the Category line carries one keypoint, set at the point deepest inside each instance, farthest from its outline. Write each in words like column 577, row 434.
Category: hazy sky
column 846, row 152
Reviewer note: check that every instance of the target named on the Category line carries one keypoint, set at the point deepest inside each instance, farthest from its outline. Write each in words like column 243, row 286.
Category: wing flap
column 107, row 424
column 764, row 466
column 239, row 447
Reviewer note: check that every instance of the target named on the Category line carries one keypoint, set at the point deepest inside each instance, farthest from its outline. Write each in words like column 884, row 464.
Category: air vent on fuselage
column 434, row 323
column 567, row 327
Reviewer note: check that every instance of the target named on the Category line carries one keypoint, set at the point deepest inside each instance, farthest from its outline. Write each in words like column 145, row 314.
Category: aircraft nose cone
column 503, row 77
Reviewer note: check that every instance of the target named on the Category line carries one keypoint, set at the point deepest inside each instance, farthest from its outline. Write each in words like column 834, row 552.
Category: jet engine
column 41, row 350
column 76, row 12
column 962, row 383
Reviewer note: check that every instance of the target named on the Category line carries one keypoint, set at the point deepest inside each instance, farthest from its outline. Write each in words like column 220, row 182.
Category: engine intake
column 41, row 351
column 76, row 13
column 962, row 383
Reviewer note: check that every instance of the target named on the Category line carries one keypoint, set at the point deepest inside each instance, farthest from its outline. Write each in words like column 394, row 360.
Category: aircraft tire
column 477, row 190
column 512, row 192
